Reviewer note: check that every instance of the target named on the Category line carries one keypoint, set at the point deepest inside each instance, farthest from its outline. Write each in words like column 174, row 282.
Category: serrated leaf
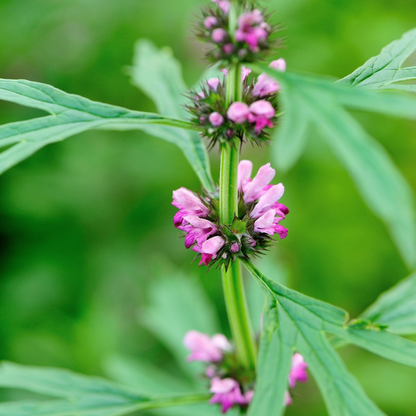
column 320, row 103
column 396, row 308
column 70, row 115
column 158, row 74
column 383, row 70
column 311, row 319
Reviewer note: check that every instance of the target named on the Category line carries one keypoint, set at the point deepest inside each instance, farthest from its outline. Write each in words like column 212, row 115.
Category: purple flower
column 258, row 186
column 188, row 204
column 227, row 392
column 213, row 83
column 216, row 119
column 224, row 5
column 249, row 19
column 298, row 372
column 238, row 112
column 218, row 35
column 204, row 348
column 210, row 21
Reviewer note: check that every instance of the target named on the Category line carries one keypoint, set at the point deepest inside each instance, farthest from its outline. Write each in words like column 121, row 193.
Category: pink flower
column 258, row 186
column 189, row 204
column 218, row 35
column 216, row 119
column 224, row 5
column 278, row 65
column 298, row 372
column 251, row 29
column 268, row 223
column 245, row 168
column 227, row 392
column 198, row 230
column 210, row 21
column 235, row 247
column 204, row 348
column 238, row 112
column 288, row 399
column 249, row 19
column 209, row 249
column 213, row 83
column 228, row 48
column 266, row 85
column 268, row 201
column 260, row 113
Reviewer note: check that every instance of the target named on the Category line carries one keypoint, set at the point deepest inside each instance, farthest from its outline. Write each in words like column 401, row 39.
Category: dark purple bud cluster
column 250, row 234
column 245, row 119
column 251, row 38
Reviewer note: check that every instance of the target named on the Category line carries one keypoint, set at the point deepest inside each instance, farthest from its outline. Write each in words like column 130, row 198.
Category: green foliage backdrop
column 83, row 220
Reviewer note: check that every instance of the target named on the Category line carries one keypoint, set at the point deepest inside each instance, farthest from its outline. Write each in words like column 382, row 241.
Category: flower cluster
column 258, row 218
column 230, row 384
column 246, row 119
column 243, row 43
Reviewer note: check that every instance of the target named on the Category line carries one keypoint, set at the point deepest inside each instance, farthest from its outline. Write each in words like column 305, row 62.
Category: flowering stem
column 235, row 299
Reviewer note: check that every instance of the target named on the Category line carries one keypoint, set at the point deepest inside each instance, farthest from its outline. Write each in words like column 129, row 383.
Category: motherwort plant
column 251, row 100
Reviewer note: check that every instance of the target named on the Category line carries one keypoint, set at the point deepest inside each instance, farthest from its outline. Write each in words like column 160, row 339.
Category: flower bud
column 238, row 112
column 213, row 83
column 262, row 108
column 216, row 119
column 278, row 65
column 218, row 35
column 210, row 22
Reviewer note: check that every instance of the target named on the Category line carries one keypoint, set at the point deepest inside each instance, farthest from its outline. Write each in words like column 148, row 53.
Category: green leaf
column 89, row 396
column 310, row 320
column 316, row 101
column 70, row 115
column 60, row 383
column 158, row 74
column 274, row 362
column 383, row 70
column 396, row 308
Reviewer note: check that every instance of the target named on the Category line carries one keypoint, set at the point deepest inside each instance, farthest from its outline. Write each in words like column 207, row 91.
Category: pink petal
column 268, row 200
column 245, row 168
column 255, row 189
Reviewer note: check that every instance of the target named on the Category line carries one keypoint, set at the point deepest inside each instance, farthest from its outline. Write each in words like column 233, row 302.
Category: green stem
column 235, row 299
column 237, row 311
column 173, row 401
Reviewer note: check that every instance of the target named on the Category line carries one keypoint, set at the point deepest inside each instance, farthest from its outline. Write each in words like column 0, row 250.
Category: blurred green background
column 86, row 225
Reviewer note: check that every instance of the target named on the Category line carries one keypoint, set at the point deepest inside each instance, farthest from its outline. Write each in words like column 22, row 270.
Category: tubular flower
column 231, row 384
column 260, row 213
column 252, row 37
column 247, row 119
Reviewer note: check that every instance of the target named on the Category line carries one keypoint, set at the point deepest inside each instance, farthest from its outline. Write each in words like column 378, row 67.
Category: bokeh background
column 86, row 224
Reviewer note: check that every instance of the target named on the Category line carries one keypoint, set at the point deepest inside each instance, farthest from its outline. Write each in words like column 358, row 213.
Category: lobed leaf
column 309, row 320
column 89, row 396
column 315, row 101
column 383, row 70
column 396, row 308
column 70, row 115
